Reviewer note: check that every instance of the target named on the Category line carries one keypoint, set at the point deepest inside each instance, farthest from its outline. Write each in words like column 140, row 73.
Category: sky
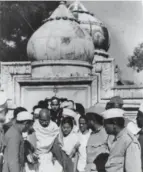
column 124, row 20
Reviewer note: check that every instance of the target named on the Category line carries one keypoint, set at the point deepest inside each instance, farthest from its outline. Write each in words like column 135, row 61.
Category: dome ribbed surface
column 91, row 24
column 61, row 37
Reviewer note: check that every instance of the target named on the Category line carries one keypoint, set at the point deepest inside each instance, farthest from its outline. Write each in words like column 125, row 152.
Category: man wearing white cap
column 125, row 151
column 97, row 142
column 140, row 125
column 117, row 102
column 14, row 145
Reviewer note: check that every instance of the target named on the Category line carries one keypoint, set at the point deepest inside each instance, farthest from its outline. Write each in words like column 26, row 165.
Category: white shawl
column 45, row 136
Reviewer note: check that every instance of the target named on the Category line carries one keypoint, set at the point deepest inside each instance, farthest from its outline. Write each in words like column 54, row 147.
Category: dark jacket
column 7, row 126
column 14, row 151
column 56, row 116
column 62, row 157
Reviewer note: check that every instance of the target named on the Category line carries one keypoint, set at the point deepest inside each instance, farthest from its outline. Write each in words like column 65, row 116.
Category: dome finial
column 76, row 4
column 62, row 2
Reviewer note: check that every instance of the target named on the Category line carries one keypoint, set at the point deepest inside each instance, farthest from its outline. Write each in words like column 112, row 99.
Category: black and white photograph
column 71, row 86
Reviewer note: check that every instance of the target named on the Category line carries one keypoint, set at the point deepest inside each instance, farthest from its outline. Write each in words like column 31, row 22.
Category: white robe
column 83, row 138
column 44, row 138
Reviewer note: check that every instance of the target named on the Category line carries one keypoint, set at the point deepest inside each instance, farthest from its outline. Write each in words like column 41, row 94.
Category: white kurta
column 83, row 138
column 69, row 143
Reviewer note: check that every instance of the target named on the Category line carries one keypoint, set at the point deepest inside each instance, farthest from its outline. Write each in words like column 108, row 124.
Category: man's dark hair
column 71, row 101
column 95, row 117
column 55, row 98
column 63, row 100
column 36, row 107
column 84, row 117
column 17, row 111
column 42, row 104
column 80, row 109
column 117, row 121
column 108, row 106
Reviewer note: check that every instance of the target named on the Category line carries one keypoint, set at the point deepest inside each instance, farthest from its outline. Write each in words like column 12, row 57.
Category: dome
column 61, row 38
column 91, row 24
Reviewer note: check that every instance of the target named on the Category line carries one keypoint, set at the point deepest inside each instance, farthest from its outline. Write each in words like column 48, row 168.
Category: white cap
column 24, row 116
column 113, row 113
column 3, row 100
column 67, row 104
column 141, row 107
column 69, row 112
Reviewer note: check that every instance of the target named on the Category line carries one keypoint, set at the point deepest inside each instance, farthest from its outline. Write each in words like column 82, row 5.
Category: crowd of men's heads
column 56, row 104
column 90, row 119
column 46, row 109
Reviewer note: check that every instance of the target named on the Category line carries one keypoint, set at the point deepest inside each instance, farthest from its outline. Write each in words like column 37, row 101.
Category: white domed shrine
column 91, row 24
column 61, row 38
column 67, row 58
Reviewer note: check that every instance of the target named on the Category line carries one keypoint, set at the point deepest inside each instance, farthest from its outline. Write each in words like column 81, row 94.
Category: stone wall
column 132, row 95
column 8, row 72
column 105, row 70
column 24, row 88
column 19, row 82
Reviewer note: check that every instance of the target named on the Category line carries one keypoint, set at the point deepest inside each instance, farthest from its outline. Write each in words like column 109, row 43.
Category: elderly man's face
column 55, row 105
column 44, row 118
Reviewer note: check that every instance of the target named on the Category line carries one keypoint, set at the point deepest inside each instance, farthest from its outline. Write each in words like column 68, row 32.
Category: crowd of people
column 61, row 136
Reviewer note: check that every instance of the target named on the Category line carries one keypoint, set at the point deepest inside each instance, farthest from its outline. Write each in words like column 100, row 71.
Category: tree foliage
column 136, row 60
column 18, row 21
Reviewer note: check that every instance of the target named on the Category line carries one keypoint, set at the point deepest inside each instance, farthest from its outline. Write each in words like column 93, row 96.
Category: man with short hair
column 55, row 110
column 97, row 143
column 14, row 144
column 83, row 136
column 55, row 104
column 117, row 102
column 125, row 151
column 13, row 120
